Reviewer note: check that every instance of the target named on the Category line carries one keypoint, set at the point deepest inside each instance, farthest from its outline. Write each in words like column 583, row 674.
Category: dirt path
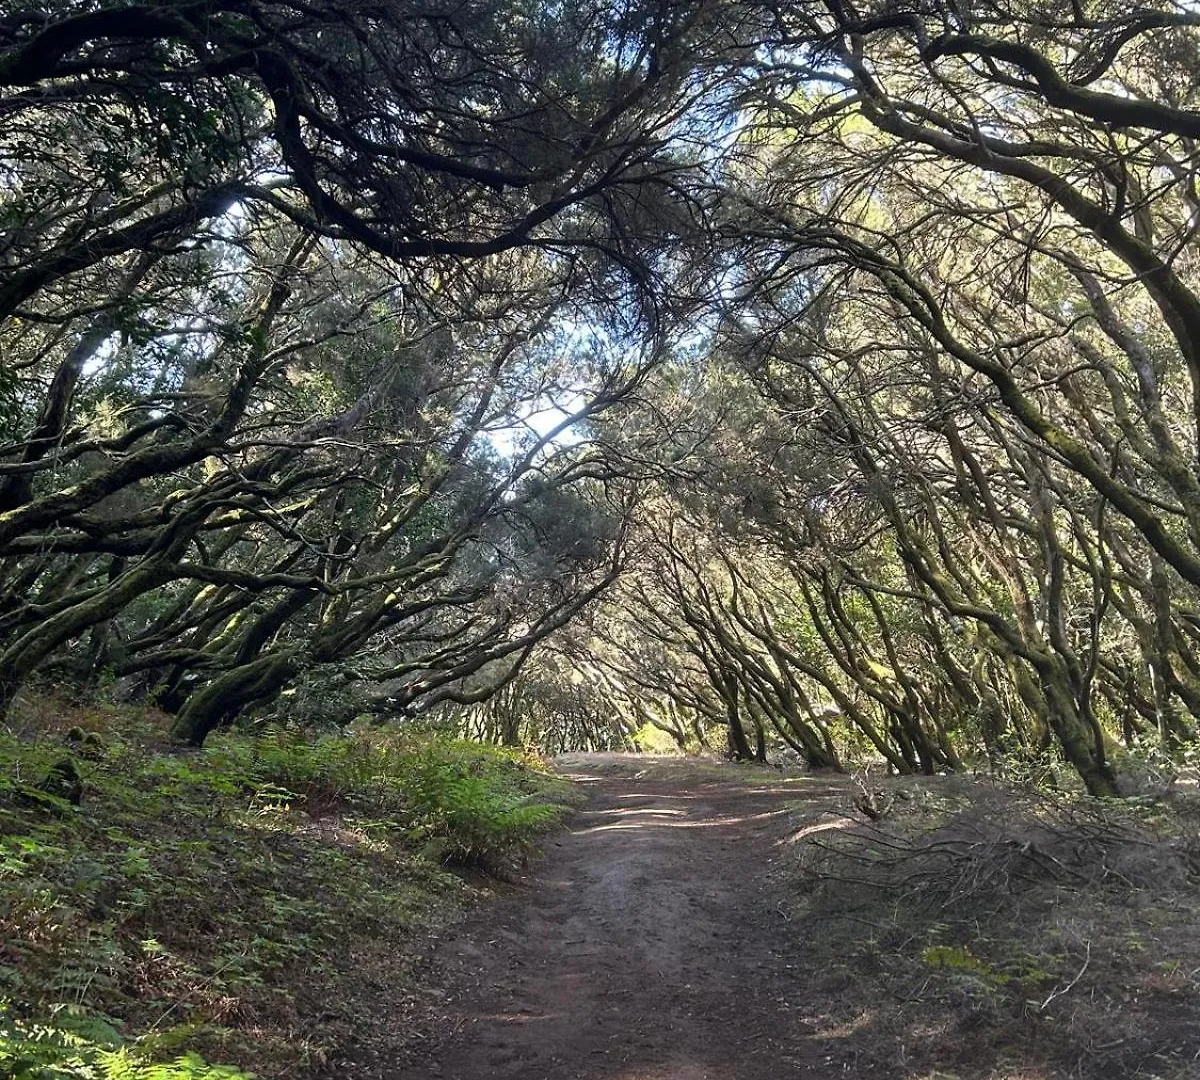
column 648, row 944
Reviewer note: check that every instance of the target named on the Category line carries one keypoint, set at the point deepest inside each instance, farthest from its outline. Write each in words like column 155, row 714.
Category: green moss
column 959, row 959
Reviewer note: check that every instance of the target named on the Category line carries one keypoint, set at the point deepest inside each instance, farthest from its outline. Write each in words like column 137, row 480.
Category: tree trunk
column 228, row 694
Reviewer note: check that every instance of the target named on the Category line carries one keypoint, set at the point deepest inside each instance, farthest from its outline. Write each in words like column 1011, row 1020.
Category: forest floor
column 280, row 904
column 694, row 924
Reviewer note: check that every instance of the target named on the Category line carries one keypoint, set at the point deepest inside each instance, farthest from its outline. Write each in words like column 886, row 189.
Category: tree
column 274, row 277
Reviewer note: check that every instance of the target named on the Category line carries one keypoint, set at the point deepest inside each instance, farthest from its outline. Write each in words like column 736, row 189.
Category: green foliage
column 75, row 1045
column 478, row 801
column 190, row 891
column 653, row 740
column 324, row 698
column 475, row 802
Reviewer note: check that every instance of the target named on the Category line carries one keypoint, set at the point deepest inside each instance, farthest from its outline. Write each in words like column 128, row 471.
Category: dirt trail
column 648, row 944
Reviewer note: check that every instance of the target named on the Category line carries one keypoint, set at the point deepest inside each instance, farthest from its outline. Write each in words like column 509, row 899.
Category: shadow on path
column 646, row 946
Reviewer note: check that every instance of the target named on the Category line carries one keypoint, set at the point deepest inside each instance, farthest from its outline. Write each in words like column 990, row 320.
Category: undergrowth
column 1005, row 932
column 203, row 903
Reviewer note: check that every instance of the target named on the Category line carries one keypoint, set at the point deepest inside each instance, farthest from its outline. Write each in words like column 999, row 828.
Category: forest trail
column 646, row 945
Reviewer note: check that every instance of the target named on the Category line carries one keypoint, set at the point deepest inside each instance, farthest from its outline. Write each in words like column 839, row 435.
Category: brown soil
column 649, row 943
column 696, row 922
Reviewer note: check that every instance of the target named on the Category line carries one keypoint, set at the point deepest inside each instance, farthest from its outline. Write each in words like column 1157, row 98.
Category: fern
column 75, row 1045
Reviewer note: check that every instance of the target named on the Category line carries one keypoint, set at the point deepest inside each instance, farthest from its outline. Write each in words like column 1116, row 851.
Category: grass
column 212, row 905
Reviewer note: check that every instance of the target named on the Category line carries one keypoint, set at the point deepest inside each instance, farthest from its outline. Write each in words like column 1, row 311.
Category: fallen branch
column 1071, row 985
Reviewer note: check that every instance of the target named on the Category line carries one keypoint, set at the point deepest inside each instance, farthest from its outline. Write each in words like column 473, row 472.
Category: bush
column 467, row 801
column 477, row 800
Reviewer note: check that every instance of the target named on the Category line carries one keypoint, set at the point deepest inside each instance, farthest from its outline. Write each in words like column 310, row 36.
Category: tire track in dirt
column 647, row 944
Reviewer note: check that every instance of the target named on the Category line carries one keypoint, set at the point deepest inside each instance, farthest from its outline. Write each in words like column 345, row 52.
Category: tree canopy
column 821, row 376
